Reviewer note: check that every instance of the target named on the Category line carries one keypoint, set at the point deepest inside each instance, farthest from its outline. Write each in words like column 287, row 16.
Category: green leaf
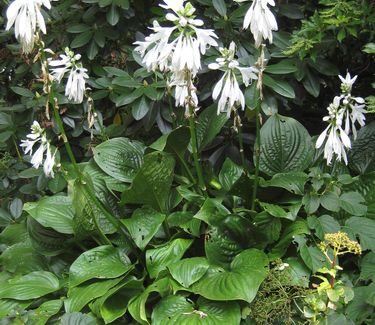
column 313, row 257
column 143, row 225
column 22, row 258
column 330, row 201
column 281, row 87
column 7, row 307
column 77, row 319
column 23, row 92
column 30, row 286
column 368, row 267
column 81, row 39
column 113, row 15
column 158, row 259
column 362, row 154
column 283, row 67
column 311, row 202
column 293, row 182
column 178, row 310
column 285, row 146
column 365, row 229
column 298, row 227
column 323, row 225
column 229, row 174
column 5, row 218
column 103, row 262
column 241, row 282
column 311, row 83
column 79, row 297
column 44, row 312
column 54, row 212
column 114, row 303
column 220, row 7
column 352, row 202
column 152, row 183
column 358, row 309
column 189, row 270
column 120, row 158
column 208, row 126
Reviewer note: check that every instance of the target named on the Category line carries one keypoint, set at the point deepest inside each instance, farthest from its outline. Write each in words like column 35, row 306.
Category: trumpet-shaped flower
column 178, row 47
column 228, row 86
column 37, row 135
column 76, row 85
column 261, row 20
column 26, row 17
column 344, row 108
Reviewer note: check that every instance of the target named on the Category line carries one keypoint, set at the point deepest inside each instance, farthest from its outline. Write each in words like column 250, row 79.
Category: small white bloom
column 37, row 135
column 228, row 85
column 347, row 82
column 25, row 15
column 76, row 84
column 179, row 47
column 261, row 21
column 183, row 87
column 282, row 266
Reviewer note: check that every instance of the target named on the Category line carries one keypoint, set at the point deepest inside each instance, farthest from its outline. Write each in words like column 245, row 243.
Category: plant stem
column 194, row 145
column 257, row 156
column 18, row 152
column 261, row 65
column 238, row 128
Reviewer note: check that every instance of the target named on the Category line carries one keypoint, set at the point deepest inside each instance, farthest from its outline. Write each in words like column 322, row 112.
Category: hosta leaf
column 362, row 154
column 179, row 311
column 114, row 303
column 8, row 306
column 30, row 286
column 79, row 297
column 209, row 125
column 44, row 312
column 229, row 174
column 240, row 282
column 365, row 229
column 77, row 319
column 137, row 306
column 152, row 183
column 293, row 182
column 46, row 241
column 160, row 258
column 22, row 258
column 54, row 212
column 120, row 158
column 285, row 146
column 189, row 270
column 103, row 262
column 143, row 225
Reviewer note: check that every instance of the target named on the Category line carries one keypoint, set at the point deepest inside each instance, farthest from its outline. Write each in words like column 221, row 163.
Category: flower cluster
column 76, row 85
column 228, row 86
column 261, row 20
column 344, row 108
column 178, row 49
column 38, row 135
column 25, row 15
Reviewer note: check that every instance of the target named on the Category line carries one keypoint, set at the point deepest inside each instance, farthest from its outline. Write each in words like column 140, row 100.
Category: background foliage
column 188, row 252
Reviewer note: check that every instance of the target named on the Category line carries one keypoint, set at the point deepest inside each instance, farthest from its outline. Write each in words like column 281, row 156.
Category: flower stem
column 261, row 65
column 257, row 155
column 194, row 146
column 238, row 128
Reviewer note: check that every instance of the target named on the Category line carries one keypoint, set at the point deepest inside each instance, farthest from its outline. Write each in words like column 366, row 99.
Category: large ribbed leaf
column 119, row 158
column 53, row 212
column 160, row 258
column 153, row 182
column 362, row 154
column 240, row 282
column 177, row 310
column 285, row 146
column 189, row 270
column 103, row 262
column 29, row 286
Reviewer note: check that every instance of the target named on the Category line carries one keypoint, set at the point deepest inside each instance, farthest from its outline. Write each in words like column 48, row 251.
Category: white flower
column 228, row 86
column 261, row 21
column 76, row 85
column 347, row 82
column 185, row 91
column 37, row 135
column 179, row 47
column 282, row 266
column 25, row 15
